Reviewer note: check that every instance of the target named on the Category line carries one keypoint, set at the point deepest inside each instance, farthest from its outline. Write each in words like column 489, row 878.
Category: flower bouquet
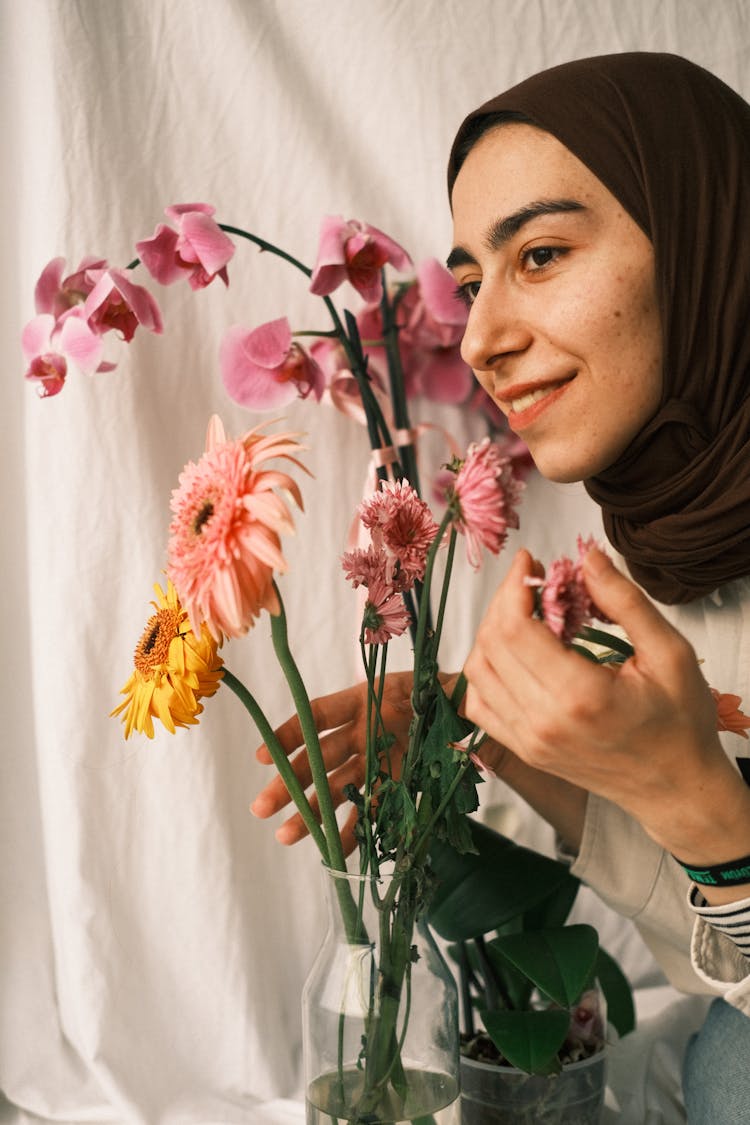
column 224, row 558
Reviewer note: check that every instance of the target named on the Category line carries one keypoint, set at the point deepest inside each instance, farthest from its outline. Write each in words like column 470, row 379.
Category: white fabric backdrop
column 153, row 937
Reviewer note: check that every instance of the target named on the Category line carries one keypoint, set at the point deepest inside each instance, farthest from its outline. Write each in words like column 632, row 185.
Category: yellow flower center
column 153, row 647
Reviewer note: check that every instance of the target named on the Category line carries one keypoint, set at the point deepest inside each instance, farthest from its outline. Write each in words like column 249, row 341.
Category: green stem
column 397, row 384
column 600, row 637
column 423, row 841
column 444, row 591
column 309, row 730
column 280, row 760
column 269, row 246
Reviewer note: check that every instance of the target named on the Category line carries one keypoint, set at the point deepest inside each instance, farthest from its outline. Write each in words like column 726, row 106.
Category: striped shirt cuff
column 731, row 919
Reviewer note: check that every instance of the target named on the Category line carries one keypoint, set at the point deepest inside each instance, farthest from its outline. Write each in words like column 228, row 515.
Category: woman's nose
column 495, row 329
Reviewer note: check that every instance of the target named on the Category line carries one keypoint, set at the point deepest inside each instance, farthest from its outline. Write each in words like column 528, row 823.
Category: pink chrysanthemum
column 385, row 614
column 398, row 519
column 224, row 543
column 363, row 566
column 565, row 603
column 484, row 497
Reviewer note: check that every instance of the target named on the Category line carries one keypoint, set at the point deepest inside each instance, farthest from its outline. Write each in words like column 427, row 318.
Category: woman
column 600, row 214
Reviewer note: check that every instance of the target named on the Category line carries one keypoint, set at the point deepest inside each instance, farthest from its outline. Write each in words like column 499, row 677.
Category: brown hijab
column 672, row 144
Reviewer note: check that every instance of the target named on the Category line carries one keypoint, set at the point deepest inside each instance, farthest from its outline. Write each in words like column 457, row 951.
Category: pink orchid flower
column 356, row 252
column 56, row 294
column 198, row 250
column 115, row 303
column 433, row 335
column 49, row 344
column 265, row 369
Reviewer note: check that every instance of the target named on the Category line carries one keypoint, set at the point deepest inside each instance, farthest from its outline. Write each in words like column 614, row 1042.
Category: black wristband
column 729, row 874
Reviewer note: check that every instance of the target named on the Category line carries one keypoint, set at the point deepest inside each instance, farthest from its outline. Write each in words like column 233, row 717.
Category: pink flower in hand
column 198, row 250
column 265, row 369
column 728, row 714
column 115, row 303
column 355, row 252
column 48, row 345
column 56, row 294
column 565, row 602
column 484, row 498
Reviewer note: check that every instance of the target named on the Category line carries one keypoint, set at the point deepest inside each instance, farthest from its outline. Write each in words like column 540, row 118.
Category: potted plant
column 536, row 992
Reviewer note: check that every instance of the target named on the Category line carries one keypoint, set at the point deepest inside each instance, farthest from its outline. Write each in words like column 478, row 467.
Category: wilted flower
column 175, row 668
column 484, row 497
column 224, row 543
column 198, row 250
column 265, row 369
column 355, row 252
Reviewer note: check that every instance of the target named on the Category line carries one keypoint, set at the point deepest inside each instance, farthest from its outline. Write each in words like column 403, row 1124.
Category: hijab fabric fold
column 672, row 144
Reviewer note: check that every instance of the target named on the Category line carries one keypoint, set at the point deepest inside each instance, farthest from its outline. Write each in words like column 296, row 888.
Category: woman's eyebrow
column 502, row 230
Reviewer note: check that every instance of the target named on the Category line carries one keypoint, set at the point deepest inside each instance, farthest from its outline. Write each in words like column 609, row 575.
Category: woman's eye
column 538, row 257
column 467, row 292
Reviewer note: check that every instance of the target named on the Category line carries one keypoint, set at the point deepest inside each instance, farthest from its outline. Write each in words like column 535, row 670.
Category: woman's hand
column 341, row 719
column 645, row 737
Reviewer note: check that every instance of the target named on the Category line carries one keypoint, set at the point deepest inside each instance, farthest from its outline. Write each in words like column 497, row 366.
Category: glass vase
column 379, row 1011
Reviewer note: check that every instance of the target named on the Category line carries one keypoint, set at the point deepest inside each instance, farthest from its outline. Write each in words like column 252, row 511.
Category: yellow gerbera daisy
column 173, row 670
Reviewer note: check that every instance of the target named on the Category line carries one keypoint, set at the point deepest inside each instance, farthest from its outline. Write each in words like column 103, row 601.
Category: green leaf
column 617, row 992
column 518, row 987
column 553, row 910
column 560, row 962
column 477, row 893
column 439, row 765
column 529, row 1040
column 396, row 816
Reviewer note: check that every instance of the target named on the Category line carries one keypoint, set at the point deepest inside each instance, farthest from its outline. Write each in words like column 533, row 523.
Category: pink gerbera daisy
column 224, row 543
column 484, row 497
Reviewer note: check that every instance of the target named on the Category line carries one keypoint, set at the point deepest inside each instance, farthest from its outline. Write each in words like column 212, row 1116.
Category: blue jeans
column 716, row 1071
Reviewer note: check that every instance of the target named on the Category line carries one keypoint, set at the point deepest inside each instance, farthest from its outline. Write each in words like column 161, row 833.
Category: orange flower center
column 153, row 647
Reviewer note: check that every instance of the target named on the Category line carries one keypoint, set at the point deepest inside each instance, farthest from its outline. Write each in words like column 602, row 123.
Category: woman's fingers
column 338, row 747
column 351, row 773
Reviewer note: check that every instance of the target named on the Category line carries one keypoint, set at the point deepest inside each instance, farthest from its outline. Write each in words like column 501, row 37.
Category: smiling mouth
column 523, row 402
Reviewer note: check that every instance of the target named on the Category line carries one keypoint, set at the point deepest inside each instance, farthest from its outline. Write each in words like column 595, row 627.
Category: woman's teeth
column 525, row 401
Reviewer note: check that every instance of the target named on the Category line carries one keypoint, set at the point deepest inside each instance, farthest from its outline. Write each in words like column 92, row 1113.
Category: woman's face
column 563, row 331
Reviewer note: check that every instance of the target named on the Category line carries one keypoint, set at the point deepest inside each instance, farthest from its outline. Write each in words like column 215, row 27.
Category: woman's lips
column 526, row 408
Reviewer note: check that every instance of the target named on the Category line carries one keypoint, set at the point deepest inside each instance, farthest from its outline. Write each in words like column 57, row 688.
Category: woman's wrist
column 709, row 832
